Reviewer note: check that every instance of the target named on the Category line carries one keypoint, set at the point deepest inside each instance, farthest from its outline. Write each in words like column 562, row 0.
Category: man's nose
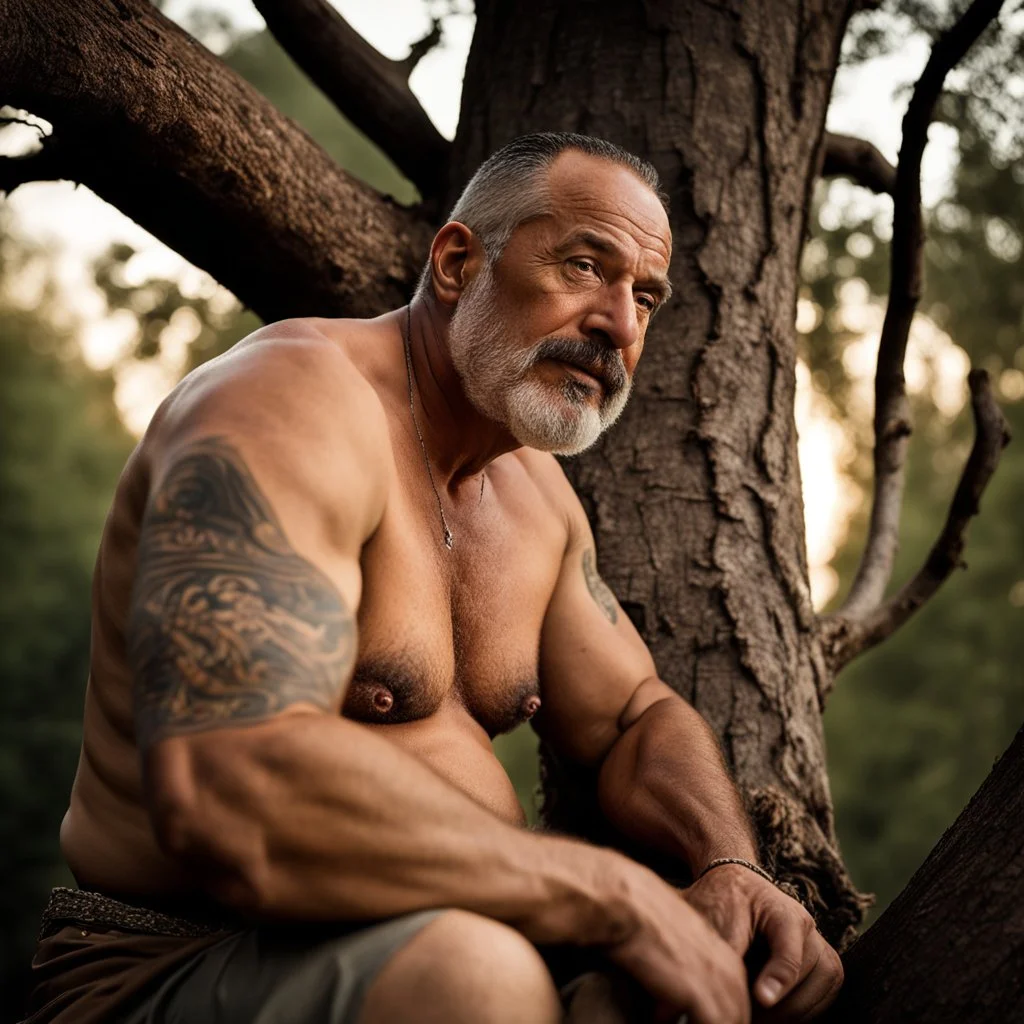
column 613, row 317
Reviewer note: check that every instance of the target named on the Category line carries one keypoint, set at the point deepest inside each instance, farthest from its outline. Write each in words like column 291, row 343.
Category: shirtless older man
column 341, row 561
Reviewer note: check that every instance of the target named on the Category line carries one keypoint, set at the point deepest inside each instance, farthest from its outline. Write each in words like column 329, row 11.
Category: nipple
column 531, row 706
column 382, row 700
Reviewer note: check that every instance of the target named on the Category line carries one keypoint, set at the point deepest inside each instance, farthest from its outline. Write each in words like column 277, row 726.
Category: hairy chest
column 463, row 625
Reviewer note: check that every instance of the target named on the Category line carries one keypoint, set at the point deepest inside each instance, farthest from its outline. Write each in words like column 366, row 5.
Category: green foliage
column 914, row 726
column 987, row 83
column 61, row 450
column 259, row 59
column 517, row 752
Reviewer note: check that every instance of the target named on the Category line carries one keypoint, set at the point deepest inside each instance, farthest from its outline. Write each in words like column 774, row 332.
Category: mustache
column 601, row 360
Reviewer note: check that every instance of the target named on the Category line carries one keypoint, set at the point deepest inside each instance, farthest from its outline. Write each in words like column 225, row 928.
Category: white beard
column 497, row 379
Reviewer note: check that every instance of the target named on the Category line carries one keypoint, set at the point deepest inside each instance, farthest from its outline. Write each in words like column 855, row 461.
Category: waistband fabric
column 82, row 906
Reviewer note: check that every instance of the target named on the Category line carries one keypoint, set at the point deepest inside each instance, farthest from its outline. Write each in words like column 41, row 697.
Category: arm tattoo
column 599, row 590
column 228, row 624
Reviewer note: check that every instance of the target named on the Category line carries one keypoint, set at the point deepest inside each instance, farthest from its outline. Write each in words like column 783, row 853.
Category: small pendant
column 448, row 541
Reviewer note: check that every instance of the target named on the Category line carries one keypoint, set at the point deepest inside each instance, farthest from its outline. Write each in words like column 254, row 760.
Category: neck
column 459, row 440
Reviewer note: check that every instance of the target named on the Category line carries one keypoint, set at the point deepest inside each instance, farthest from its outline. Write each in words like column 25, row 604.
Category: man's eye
column 647, row 303
column 584, row 265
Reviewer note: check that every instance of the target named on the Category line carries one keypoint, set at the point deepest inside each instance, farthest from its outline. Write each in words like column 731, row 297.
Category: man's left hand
column 803, row 973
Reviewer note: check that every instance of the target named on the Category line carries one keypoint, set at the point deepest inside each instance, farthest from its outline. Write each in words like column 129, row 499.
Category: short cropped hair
column 509, row 187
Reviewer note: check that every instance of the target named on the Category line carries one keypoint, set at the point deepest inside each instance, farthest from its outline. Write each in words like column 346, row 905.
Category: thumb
column 786, row 937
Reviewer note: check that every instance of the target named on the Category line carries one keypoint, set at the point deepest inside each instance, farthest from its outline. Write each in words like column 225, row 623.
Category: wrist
column 585, row 896
column 739, row 846
column 740, row 862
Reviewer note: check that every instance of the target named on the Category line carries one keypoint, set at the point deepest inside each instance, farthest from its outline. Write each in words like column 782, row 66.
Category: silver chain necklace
column 446, row 535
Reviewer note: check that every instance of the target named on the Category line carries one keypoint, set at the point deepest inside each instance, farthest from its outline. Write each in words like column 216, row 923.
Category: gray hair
column 509, row 189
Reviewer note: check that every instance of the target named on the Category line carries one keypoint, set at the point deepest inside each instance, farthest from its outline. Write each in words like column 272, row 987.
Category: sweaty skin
column 294, row 684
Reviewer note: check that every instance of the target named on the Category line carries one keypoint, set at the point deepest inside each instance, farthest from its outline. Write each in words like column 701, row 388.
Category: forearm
column 664, row 783
column 314, row 817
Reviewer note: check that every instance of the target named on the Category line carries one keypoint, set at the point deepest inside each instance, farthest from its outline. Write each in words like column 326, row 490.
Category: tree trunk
column 951, row 946
column 695, row 496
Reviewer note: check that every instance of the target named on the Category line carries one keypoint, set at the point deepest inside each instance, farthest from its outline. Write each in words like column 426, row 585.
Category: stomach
column 456, row 747
column 109, row 844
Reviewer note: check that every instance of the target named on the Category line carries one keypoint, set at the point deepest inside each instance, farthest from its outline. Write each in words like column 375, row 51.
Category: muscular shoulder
column 287, row 374
column 296, row 407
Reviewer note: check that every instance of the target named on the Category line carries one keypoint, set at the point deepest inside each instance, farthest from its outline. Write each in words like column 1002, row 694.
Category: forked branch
column 369, row 89
column 845, row 638
column 892, row 410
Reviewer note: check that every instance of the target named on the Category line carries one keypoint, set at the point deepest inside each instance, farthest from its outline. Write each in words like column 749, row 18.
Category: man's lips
column 585, row 374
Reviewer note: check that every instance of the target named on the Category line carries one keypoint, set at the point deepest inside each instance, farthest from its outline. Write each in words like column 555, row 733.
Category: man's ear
column 456, row 257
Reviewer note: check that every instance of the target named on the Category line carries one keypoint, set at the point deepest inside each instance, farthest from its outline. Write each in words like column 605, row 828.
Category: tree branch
column 892, row 410
column 45, row 164
column 911, row 965
column 370, row 90
column 850, row 157
column 421, row 48
column 844, row 638
column 204, row 161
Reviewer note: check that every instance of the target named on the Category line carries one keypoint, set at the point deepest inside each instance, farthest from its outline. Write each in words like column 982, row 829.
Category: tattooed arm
column 229, row 624
column 242, row 635
column 264, row 485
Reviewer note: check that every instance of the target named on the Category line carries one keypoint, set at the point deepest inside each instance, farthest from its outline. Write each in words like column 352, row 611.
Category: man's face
column 546, row 341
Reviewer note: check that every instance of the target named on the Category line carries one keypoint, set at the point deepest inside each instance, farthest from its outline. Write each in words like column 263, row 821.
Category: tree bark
column 695, row 496
column 156, row 125
column 951, row 946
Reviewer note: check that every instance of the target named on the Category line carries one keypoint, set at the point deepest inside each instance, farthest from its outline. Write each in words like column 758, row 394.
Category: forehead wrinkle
column 586, row 201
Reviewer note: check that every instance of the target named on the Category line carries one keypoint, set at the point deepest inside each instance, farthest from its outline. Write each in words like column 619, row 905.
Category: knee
column 464, row 968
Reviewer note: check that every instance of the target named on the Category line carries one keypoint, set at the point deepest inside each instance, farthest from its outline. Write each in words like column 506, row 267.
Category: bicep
column 229, row 624
column 592, row 658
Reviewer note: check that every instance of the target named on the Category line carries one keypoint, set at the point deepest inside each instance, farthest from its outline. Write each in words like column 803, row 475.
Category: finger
column 787, row 937
column 718, row 996
column 812, row 995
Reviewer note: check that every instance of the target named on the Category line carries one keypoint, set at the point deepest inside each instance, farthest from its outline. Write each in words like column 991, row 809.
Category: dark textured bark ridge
column 951, row 946
column 157, row 126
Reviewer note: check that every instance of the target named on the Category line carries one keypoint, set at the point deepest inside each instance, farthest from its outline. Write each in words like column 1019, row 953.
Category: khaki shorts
column 264, row 976
column 101, row 961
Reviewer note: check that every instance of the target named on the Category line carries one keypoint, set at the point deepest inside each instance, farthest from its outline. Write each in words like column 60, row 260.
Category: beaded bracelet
column 718, row 862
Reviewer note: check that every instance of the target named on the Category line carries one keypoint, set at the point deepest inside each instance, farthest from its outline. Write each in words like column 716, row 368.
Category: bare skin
column 291, row 713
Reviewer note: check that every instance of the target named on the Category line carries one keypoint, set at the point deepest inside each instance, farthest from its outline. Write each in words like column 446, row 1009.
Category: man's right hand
column 678, row 957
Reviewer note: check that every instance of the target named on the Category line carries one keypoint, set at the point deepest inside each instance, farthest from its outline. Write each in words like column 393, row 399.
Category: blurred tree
column 62, row 447
column 259, row 59
column 914, row 726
